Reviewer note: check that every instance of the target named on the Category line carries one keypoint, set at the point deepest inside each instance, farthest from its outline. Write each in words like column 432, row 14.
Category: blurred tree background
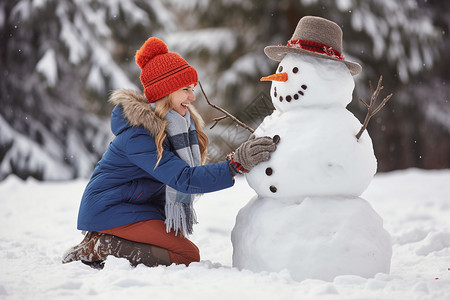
column 59, row 60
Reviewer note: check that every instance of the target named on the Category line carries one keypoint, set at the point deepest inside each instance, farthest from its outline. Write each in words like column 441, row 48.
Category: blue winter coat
column 125, row 186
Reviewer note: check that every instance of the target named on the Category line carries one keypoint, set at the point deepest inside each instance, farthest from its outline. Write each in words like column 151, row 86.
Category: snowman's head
column 303, row 81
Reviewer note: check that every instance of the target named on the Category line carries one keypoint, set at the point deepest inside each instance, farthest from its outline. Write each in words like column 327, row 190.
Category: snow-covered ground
column 38, row 223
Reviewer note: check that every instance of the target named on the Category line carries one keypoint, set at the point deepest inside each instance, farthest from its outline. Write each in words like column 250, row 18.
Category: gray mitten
column 254, row 151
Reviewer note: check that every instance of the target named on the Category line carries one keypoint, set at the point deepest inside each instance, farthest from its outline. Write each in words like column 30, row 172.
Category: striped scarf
column 181, row 133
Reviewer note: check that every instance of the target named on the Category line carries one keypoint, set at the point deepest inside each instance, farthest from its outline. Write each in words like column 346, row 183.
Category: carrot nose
column 276, row 77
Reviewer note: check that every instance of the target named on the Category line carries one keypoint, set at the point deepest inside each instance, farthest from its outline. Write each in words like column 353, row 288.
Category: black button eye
column 295, row 70
column 280, row 69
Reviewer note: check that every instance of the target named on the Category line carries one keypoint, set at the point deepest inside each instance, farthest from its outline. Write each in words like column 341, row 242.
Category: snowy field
column 38, row 223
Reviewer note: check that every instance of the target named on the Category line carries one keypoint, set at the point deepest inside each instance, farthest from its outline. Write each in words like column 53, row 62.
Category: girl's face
column 182, row 98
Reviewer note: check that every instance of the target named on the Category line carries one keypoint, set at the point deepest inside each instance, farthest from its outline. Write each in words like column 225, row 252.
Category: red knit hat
column 163, row 72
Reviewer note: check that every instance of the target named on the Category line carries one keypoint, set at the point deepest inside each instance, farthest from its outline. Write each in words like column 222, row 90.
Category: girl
column 138, row 202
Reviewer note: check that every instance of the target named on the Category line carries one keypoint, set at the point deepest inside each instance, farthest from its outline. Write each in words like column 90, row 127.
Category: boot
column 136, row 253
column 89, row 250
column 95, row 248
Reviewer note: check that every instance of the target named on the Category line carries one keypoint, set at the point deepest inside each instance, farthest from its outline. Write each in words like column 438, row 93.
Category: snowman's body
column 314, row 157
column 308, row 216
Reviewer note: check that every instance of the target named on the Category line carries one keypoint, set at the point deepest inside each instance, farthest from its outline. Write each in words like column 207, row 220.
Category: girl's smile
column 182, row 98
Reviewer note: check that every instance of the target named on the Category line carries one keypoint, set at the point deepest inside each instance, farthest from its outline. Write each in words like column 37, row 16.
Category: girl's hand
column 253, row 152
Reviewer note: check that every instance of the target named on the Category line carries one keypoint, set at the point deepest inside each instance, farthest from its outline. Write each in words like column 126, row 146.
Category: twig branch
column 227, row 114
column 371, row 111
column 216, row 121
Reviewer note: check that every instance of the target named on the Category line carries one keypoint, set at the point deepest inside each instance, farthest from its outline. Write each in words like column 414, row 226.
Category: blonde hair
column 163, row 106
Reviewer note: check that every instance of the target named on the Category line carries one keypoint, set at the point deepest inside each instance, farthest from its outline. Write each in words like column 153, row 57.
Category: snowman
column 308, row 216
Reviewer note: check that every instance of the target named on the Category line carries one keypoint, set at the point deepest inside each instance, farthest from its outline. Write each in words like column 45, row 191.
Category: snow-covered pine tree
column 59, row 59
column 401, row 40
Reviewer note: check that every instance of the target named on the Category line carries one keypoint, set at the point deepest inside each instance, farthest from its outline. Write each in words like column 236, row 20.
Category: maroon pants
column 181, row 250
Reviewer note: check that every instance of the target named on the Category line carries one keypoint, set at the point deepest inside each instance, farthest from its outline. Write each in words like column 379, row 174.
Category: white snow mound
column 318, row 238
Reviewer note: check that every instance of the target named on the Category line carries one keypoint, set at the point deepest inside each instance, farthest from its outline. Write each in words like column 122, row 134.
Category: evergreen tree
column 58, row 61
column 396, row 39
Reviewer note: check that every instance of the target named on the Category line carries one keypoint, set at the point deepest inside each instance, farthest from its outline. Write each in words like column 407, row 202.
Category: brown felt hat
column 317, row 37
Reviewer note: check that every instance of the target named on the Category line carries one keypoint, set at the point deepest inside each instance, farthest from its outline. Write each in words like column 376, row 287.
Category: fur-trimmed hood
column 136, row 111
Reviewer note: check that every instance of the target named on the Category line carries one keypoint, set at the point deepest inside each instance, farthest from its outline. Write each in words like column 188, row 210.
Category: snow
column 72, row 40
column 306, row 238
column 132, row 12
column 38, row 222
column 387, row 28
column 37, row 4
column 23, row 154
column 2, row 18
column 216, row 41
column 246, row 64
column 48, row 67
column 102, row 58
column 81, row 42
column 95, row 79
column 21, row 11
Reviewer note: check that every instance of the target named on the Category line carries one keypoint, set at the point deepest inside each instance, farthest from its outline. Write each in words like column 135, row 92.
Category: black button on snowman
column 308, row 216
column 269, row 170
